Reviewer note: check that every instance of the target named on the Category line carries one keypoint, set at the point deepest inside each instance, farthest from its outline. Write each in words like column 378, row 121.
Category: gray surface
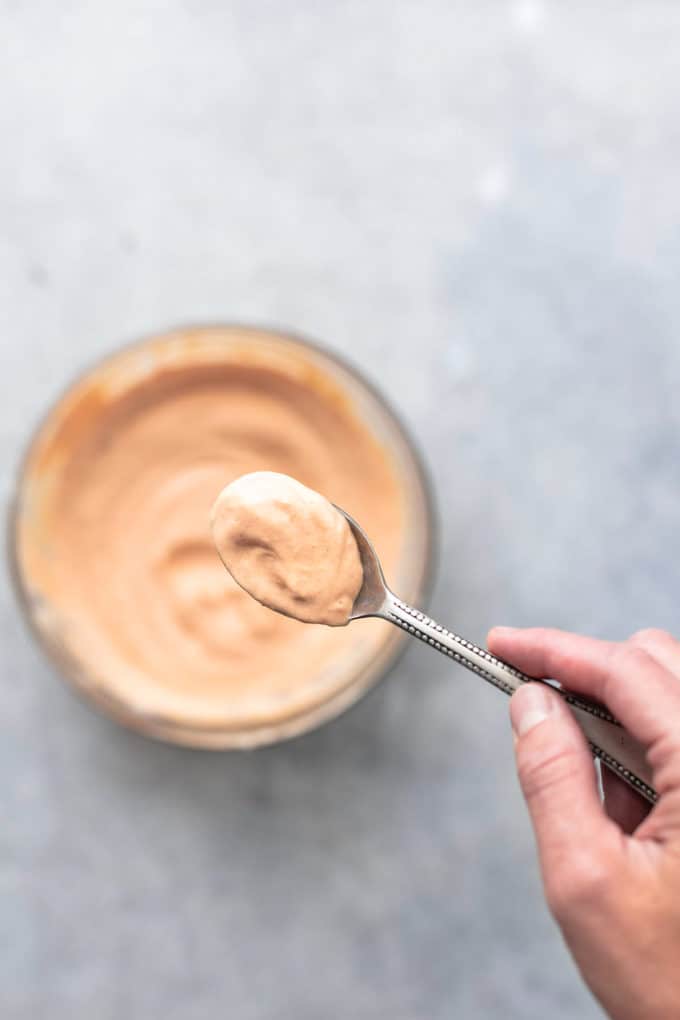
column 479, row 203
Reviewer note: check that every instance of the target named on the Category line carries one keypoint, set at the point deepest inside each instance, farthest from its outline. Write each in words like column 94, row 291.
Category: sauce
column 288, row 547
column 113, row 535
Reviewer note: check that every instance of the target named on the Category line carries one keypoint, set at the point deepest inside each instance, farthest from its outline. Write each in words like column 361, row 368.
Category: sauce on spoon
column 288, row 547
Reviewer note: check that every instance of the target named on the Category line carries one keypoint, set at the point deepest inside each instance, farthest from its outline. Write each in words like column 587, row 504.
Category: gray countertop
column 478, row 203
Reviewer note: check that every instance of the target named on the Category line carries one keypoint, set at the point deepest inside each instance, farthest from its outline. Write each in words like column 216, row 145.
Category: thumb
column 557, row 777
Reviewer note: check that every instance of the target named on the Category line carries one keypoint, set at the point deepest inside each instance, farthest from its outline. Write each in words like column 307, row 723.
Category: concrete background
column 479, row 204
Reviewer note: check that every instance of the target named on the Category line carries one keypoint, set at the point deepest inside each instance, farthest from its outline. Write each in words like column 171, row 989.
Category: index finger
column 643, row 694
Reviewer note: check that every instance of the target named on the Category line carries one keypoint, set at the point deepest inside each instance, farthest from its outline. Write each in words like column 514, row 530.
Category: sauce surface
column 288, row 547
column 114, row 537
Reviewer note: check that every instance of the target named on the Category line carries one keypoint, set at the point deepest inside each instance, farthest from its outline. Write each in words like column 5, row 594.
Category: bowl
column 212, row 356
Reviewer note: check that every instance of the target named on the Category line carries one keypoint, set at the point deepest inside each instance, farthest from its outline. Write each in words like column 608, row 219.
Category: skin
column 611, row 872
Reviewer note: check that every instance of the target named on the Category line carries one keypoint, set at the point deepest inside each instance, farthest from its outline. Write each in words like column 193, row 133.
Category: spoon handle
column 608, row 741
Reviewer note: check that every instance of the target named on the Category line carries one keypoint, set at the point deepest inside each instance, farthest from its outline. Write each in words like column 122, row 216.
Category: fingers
column 557, row 777
column 661, row 645
column 626, row 677
column 623, row 805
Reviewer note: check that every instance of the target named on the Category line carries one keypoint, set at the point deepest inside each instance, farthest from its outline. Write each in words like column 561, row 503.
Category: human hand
column 611, row 878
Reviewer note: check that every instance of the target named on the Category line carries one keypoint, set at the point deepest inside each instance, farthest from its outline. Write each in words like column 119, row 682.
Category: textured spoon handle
column 608, row 741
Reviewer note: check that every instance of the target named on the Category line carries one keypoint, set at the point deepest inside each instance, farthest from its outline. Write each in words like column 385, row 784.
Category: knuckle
column 664, row 758
column 650, row 636
column 542, row 769
column 633, row 657
column 582, row 883
column 557, row 661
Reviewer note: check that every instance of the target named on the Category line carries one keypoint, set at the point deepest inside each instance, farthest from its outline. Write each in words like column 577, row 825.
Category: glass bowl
column 217, row 345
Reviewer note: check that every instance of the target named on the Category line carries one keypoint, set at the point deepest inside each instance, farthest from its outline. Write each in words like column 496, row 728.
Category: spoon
column 608, row 741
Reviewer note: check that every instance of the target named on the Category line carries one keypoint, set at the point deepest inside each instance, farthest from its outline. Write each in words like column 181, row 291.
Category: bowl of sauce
column 112, row 551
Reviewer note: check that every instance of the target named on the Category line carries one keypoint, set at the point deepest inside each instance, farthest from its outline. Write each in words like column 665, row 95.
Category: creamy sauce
column 288, row 547
column 114, row 539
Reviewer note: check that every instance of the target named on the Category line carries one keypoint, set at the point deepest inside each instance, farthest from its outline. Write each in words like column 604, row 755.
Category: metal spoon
column 608, row 741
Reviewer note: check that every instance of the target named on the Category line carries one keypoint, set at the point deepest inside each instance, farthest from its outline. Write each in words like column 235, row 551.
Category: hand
column 611, row 879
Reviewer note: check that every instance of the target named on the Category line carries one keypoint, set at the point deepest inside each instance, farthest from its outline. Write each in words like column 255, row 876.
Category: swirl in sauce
column 114, row 534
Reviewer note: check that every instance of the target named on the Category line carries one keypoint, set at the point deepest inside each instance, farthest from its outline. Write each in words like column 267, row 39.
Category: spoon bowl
column 374, row 594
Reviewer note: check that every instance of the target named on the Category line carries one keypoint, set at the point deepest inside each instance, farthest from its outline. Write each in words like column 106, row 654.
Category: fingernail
column 503, row 630
column 532, row 705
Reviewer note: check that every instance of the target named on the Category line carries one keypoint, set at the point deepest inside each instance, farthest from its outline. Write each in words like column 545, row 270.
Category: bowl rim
column 220, row 737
